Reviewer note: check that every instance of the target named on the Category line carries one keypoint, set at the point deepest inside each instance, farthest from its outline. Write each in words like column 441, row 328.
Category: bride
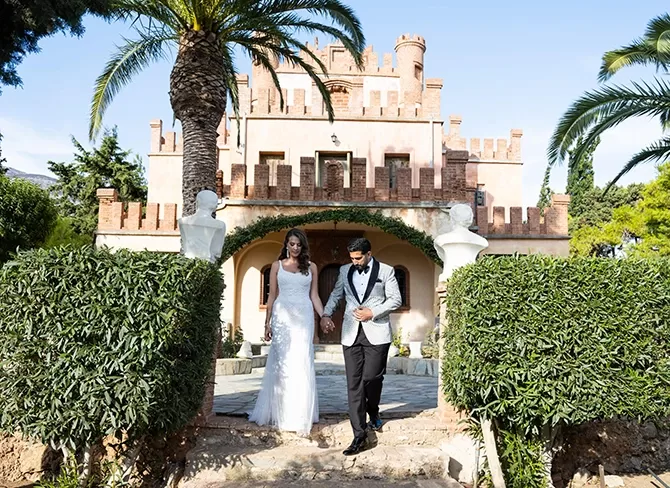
column 288, row 398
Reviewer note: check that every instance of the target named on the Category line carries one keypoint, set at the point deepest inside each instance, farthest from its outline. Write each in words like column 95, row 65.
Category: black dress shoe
column 357, row 445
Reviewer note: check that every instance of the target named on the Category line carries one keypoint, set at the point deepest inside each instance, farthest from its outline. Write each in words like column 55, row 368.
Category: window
column 393, row 162
column 272, row 159
column 418, row 72
column 402, row 277
column 265, row 284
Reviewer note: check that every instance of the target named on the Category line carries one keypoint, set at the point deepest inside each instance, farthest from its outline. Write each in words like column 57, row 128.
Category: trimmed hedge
column 94, row 343
column 537, row 340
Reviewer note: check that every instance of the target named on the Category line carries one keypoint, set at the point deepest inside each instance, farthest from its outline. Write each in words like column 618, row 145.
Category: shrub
column 538, row 342
column 27, row 216
column 94, row 343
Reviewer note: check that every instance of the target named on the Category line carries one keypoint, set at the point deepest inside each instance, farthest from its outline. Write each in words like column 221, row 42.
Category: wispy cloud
column 29, row 147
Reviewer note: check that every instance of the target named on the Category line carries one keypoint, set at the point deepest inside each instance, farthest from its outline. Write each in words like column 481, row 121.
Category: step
column 334, row 431
column 367, row 483
column 212, row 462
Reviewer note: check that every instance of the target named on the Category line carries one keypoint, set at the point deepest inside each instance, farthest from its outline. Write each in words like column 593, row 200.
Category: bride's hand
column 268, row 333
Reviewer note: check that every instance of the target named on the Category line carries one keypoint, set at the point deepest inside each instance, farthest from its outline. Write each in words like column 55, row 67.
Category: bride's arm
column 314, row 292
column 272, row 295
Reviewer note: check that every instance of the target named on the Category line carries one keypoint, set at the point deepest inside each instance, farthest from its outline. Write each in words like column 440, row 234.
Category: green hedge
column 536, row 342
column 539, row 340
column 94, row 343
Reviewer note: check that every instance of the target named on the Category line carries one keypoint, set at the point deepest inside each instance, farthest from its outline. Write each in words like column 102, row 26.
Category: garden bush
column 95, row 343
column 27, row 216
column 538, row 342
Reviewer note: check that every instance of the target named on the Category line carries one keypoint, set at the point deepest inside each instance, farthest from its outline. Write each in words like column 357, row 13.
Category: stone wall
column 620, row 446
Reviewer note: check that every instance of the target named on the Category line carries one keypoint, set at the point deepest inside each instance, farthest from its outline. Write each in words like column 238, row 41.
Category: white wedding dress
column 288, row 399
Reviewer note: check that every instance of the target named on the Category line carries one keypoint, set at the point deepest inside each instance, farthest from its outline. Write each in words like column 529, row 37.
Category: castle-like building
column 388, row 151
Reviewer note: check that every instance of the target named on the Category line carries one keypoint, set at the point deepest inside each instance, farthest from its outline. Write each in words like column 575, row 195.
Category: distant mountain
column 40, row 180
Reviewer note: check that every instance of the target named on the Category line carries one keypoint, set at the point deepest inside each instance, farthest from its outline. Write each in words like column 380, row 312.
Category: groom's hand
column 363, row 314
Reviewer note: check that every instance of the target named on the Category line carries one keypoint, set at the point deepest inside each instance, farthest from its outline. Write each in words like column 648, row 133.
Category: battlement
column 553, row 223
column 493, row 149
column 118, row 216
column 173, row 143
column 410, row 39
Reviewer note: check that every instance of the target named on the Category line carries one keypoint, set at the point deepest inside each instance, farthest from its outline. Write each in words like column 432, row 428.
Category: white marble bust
column 459, row 246
column 202, row 236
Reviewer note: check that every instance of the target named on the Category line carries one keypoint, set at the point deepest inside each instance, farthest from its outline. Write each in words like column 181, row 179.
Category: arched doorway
column 327, row 279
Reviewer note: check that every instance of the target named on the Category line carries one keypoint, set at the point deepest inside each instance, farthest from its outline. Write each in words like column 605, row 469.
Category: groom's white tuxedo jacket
column 382, row 296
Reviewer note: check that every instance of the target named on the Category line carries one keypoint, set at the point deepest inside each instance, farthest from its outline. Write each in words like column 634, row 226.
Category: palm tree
column 203, row 76
column 599, row 110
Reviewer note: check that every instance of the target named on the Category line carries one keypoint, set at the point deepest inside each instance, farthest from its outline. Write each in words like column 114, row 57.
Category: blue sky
column 514, row 64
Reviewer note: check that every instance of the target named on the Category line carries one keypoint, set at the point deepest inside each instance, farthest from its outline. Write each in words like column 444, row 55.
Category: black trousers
column 365, row 365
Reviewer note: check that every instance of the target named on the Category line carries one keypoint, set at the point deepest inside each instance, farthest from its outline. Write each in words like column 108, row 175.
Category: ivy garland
column 242, row 236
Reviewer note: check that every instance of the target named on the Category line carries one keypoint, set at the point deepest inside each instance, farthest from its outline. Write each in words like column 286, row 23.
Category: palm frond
column 609, row 105
column 130, row 59
column 161, row 11
column 659, row 150
column 652, row 49
column 283, row 52
column 350, row 28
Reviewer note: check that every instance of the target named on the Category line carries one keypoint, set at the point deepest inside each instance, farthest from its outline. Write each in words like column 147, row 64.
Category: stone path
column 236, row 395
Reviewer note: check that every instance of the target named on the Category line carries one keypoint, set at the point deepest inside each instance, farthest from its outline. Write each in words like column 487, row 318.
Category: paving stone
column 401, row 393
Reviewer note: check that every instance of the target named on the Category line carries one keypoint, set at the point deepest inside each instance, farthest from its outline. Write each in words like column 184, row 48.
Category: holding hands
column 268, row 333
column 327, row 325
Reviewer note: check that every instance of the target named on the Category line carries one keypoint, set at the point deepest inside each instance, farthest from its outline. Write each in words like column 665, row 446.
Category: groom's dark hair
column 360, row 244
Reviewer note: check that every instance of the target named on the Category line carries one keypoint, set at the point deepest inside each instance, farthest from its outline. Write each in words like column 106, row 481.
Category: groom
column 371, row 294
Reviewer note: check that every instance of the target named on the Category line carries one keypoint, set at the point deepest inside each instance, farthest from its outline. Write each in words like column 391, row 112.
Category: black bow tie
column 363, row 270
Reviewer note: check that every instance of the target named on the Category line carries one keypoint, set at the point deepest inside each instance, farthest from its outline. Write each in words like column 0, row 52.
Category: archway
column 240, row 237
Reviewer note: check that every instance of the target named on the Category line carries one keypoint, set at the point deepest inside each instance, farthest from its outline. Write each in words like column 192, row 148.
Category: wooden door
column 327, row 278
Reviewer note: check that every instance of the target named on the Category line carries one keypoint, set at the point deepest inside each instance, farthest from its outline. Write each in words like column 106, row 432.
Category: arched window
column 265, row 284
column 402, row 277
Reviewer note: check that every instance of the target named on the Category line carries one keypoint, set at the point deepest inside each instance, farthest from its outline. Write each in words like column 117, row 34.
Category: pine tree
column 580, row 177
column 545, row 191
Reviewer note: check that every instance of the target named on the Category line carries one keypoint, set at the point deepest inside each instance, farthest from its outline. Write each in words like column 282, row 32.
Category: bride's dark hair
column 303, row 258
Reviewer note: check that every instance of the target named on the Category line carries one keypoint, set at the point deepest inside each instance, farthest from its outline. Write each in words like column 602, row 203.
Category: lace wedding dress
column 288, row 398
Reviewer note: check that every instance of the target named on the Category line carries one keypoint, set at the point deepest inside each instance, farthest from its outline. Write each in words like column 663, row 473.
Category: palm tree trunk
column 198, row 98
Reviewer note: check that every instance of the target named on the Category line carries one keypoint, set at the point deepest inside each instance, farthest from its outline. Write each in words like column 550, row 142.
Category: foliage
column 64, row 234
column 68, row 477
column 23, row 24
column 27, row 216
column 652, row 49
column 242, row 236
column 231, row 344
column 431, row 345
column 206, row 35
column 264, row 30
column 539, row 341
column 596, row 206
column 542, row 340
column 580, row 175
column 96, row 343
column 546, row 192
column 521, row 460
column 640, row 228
column 3, row 161
column 78, row 181
column 597, row 111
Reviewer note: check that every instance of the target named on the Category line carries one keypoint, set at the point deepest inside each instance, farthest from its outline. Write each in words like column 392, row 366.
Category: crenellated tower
column 409, row 52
